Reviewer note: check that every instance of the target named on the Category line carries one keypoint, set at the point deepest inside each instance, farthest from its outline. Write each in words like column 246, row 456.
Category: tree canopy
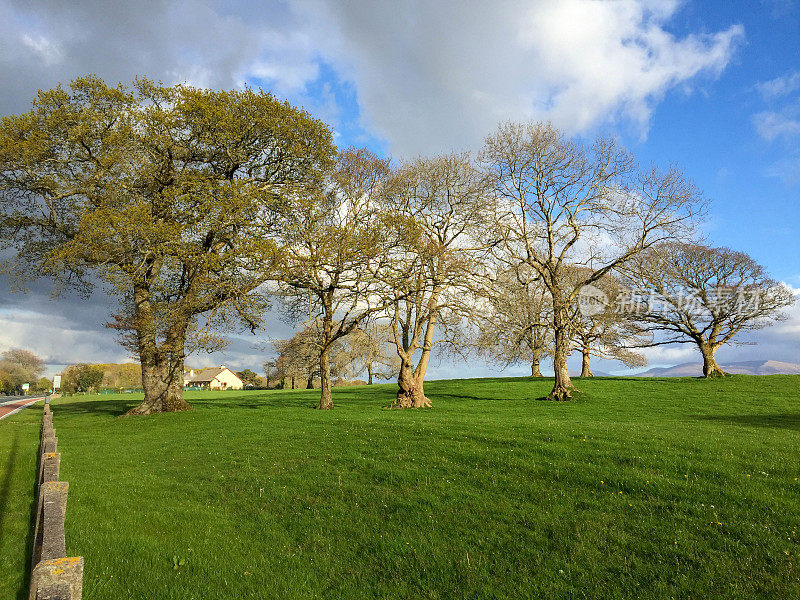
column 166, row 194
column 697, row 294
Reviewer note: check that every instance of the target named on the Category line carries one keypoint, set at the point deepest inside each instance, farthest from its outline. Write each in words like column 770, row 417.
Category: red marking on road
column 8, row 409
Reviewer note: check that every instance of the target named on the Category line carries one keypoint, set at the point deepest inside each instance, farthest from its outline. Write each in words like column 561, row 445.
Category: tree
column 88, row 377
column 366, row 349
column 691, row 293
column 81, row 377
column 299, row 356
column 334, row 246
column 165, row 194
column 514, row 326
column 121, row 376
column 44, row 384
column 269, row 370
column 601, row 329
column 436, row 209
column 560, row 204
column 248, row 377
column 18, row 366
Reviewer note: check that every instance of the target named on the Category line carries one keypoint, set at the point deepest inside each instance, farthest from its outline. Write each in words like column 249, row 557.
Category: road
column 16, row 404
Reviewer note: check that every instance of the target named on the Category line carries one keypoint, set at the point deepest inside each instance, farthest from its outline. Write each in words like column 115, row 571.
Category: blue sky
column 713, row 86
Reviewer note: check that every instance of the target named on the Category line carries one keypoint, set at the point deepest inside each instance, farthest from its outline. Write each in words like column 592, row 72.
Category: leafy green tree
column 44, row 384
column 18, row 366
column 248, row 377
column 88, row 377
column 167, row 195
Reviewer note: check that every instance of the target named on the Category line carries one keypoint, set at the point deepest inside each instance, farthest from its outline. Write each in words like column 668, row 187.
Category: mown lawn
column 640, row 489
column 19, row 445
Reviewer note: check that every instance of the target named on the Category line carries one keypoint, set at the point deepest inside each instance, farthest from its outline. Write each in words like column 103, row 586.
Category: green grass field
column 640, row 489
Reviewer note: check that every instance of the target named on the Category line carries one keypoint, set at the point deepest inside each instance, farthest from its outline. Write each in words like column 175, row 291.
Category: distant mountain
column 595, row 373
column 753, row 367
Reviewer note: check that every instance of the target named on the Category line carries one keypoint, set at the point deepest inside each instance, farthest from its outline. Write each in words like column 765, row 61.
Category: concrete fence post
column 57, row 576
column 52, row 465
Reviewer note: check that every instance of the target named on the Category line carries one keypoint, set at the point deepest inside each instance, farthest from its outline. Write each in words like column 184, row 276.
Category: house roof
column 205, row 375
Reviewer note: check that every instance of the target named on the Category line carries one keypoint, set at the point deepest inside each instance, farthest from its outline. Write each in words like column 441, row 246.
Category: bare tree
column 690, row 293
column 436, row 207
column 560, row 204
column 366, row 349
column 334, row 247
column 514, row 324
column 601, row 329
column 299, row 355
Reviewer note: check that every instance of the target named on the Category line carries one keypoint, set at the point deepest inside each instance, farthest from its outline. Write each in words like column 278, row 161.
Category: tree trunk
column 535, row 372
column 562, row 388
column 412, row 380
column 585, row 370
column 310, row 382
column 326, row 398
column 292, row 381
column 411, row 393
column 162, row 381
column 710, row 367
column 162, row 367
column 369, row 372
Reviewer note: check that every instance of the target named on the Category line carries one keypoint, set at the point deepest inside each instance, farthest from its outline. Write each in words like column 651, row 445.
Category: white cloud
column 781, row 123
column 55, row 338
column 441, row 75
column 771, row 125
column 50, row 53
column 787, row 169
column 428, row 76
column 780, row 86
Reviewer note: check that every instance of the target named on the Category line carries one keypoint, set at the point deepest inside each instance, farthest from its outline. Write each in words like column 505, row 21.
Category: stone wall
column 54, row 575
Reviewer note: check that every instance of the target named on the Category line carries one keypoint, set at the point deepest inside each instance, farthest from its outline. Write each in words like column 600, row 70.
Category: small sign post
column 26, row 387
column 56, row 382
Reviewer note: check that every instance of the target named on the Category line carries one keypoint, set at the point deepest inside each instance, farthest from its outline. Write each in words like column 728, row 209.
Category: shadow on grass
column 114, row 408
column 774, row 421
column 293, row 398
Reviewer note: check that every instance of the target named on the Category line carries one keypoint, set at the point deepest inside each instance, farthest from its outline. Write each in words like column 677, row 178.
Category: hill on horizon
column 752, row 367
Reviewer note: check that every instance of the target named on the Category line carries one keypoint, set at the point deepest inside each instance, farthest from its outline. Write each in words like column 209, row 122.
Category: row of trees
column 363, row 351
column 197, row 207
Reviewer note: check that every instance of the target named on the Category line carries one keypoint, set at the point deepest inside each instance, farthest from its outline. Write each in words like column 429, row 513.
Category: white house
column 213, row 378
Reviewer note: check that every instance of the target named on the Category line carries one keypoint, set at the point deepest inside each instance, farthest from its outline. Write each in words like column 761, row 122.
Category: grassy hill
column 654, row 488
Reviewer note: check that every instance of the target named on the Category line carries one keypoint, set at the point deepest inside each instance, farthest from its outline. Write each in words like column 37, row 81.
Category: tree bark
column 585, row 370
column 562, row 388
column 411, row 382
column 162, row 367
column 162, row 380
column 535, row 371
column 326, row 398
column 369, row 371
column 310, row 382
column 410, row 393
column 710, row 367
